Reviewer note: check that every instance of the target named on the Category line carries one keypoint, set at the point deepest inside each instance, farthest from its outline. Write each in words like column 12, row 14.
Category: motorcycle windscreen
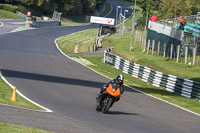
column 113, row 91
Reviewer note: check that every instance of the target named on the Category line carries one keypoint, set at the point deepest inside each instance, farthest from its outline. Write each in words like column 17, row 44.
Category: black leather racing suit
column 102, row 95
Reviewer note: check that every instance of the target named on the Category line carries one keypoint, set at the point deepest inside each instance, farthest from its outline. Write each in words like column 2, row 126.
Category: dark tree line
column 67, row 7
column 162, row 8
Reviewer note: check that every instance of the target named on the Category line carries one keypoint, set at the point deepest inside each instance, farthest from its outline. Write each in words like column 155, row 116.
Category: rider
column 118, row 81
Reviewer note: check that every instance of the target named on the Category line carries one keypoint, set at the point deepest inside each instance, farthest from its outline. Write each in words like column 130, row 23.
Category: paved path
column 31, row 61
column 10, row 25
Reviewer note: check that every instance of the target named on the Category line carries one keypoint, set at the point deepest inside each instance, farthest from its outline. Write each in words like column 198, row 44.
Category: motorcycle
column 111, row 94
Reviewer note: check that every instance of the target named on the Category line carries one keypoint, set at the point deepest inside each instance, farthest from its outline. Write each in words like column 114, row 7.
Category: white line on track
column 15, row 30
column 125, row 85
column 19, row 93
column 2, row 24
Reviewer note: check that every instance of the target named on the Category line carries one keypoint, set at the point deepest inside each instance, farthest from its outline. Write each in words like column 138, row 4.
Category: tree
column 78, row 8
column 89, row 5
column 174, row 8
column 195, row 6
column 73, row 7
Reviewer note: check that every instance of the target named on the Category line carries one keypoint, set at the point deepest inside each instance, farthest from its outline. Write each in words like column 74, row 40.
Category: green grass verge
column 5, row 96
column 80, row 42
column 11, row 128
column 66, row 22
column 76, row 19
column 107, row 10
column 1, row 23
column 7, row 14
column 111, row 72
column 155, row 62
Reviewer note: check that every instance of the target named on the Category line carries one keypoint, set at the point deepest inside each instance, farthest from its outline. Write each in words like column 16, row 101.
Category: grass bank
column 7, row 14
column 5, row 96
column 11, row 128
column 155, row 62
column 80, row 42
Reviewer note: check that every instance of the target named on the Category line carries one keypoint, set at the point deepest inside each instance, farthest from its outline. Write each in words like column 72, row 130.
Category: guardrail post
column 186, row 54
column 153, row 45
column 178, row 51
column 194, row 56
column 171, row 51
column 158, row 47
column 148, row 46
column 145, row 42
column 164, row 52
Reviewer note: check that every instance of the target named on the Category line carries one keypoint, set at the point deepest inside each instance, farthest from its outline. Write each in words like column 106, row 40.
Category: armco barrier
column 45, row 23
column 184, row 87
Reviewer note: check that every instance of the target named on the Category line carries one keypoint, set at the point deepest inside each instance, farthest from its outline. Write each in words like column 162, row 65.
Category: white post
column 124, row 18
column 133, row 26
column 117, row 19
column 145, row 32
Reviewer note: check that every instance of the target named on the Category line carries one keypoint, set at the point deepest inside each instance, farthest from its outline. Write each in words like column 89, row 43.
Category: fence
column 173, row 22
column 191, row 34
column 171, row 49
column 21, row 16
column 45, row 23
column 184, row 87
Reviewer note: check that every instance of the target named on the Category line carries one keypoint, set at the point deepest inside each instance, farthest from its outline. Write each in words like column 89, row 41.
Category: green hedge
column 9, row 7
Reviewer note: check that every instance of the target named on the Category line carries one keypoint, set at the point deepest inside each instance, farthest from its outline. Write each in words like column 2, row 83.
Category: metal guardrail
column 20, row 14
column 175, row 21
column 183, row 87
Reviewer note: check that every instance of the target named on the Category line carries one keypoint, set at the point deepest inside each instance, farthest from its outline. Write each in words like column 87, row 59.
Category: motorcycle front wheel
column 98, row 106
column 107, row 105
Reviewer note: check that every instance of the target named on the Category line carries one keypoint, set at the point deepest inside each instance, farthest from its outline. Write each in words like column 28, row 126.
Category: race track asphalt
column 10, row 25
column 30, row 61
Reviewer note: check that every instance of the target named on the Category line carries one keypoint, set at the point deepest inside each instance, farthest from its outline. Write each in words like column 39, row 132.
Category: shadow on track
column 56, row 79
column 120, row 113
column 49, row 78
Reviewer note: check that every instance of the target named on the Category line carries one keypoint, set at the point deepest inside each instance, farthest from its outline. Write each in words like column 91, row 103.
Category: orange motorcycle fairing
column 112, row 91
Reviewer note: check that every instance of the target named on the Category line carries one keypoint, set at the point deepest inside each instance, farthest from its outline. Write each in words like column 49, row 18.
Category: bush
column 22, row 9
column 9, row 7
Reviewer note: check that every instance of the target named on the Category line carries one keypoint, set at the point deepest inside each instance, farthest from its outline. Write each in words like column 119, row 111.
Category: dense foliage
column 67, row 7
column 169, row 8
column 162, row 8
